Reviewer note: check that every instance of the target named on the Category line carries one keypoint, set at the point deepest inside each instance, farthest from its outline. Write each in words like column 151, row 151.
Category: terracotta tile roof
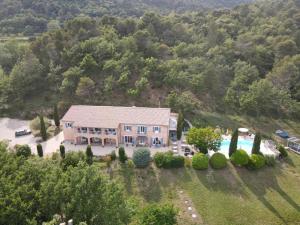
column 112, row 116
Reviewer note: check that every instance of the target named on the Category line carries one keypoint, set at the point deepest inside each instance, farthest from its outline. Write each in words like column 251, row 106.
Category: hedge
column 240, row 158
column 141, row 157
column 283, row 151
column 168, row 160
column 218, row 161
column 256, row 161
column 200, row 161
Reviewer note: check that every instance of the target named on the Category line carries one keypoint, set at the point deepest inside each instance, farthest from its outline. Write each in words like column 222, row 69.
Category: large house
column 110, row 125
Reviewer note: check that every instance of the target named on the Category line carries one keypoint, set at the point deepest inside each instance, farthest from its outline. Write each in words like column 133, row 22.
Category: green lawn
column 233, row 196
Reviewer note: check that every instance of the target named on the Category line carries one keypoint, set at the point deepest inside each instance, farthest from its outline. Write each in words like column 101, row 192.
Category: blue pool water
column 242, row 144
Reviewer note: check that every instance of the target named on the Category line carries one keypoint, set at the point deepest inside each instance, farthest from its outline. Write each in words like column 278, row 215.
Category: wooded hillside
column 243, row 61
column 30, row 17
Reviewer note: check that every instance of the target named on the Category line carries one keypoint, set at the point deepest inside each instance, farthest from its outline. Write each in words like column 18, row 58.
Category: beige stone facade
column 108, row 125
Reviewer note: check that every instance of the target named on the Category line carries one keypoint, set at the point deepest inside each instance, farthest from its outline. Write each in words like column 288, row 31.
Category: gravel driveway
column 7, row 132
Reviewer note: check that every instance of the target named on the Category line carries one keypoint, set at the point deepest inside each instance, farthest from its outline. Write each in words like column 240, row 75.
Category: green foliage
column 122, row 155
column 200, row 161
column 39, row 149
column 256, row 144
column 270, row 160
column 180, row 123
column 283, row 151
column 72, row 159
column 43, row 128
column 62, row 151
column 233, row 142
column 158, row 215
column 113, row 155
column 218, row 161
column 242, row 60
column 240, row 158
column 23, row 150
column 168, row 160
column 56, row 116
column 130, row 163
column 141, row 157
column 204, row 139
column 256, row 161
column 89, row 155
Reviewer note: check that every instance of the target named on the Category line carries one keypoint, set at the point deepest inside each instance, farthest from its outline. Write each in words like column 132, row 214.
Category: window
column 68, row 125
column 128, row 139
column 127, row 128
column 156, row 129
column 156, row 141
column 142, row 129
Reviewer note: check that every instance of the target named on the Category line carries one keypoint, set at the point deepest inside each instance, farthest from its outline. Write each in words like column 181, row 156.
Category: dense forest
column 30, row 17
column 245, row 61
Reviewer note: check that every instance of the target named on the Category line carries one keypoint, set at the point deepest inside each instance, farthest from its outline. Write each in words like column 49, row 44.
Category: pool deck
column 266, row 147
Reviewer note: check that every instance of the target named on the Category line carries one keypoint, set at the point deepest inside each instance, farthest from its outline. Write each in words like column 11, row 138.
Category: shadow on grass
column 260, row 181
column 128, row 176
column 148, row 184
column 223, row 180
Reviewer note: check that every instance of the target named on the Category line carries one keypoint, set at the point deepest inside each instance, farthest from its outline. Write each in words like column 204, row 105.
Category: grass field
column 233, row 196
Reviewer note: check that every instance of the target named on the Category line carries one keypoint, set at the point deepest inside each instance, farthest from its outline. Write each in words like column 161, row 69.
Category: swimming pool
column 242, row 144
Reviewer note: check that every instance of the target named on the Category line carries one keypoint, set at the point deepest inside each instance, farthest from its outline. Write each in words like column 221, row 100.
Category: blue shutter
column 145, row 129
column 159, row 129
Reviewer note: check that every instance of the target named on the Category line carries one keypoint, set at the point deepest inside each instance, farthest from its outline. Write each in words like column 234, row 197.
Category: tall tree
column 56, row 116
column 256, row 144
column 233, row 142
column 180, row 123
column 62, row 151
column 43, row 128
column 204, row 139
column 89, row 155
column 39, row 149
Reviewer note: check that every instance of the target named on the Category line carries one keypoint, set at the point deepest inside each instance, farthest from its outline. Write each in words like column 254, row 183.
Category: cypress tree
column 233, row 142
column 39, row 149
column 180, row 122
column 62, row 151
column 89, row 155
column 43, row 128
column 256, row 144
column 56, row 116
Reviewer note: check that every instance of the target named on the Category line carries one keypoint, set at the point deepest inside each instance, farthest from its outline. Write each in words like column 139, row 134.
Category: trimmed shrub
column 233, row 142
column 270, row 160
column 159, row 159
column 141, row 157
column 62, row 151
column 256, row 144
column 200, row 161
column 168, row 160
column 177, row 161
column 240, row 158
column 43, row 128
column 39, row 149
column 122, row 155
column 283, row 151
column 23, row 150
column 256, row 161
column 89, row 155
column 130, row 163
column 113, row 155
column 218, row 161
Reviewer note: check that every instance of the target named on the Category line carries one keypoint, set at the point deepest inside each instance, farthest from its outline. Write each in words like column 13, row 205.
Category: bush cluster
column 270, row 160
column 218, row 161
column 256, row 161
column 283, row 151
column 200, row 161
column 141, row 157
column 168, row 160
column 240, row 158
